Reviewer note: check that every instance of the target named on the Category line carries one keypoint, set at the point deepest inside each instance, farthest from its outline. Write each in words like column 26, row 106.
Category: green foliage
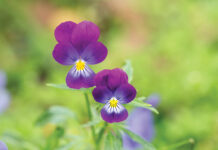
column 139, row 102
column 128, row 69
column 56, row 115
column 145, row 144
column 113, row 141
column 53, row 140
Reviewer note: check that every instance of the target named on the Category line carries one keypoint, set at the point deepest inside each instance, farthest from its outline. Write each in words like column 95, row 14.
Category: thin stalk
column 177, row 145
column 100, row 135
column 90, row 115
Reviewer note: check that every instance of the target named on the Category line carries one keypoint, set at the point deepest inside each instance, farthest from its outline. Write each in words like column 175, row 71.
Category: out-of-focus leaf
column 113, row 142
column 128, row 69
column 53, row 139
column 19, row 142
column 59, row 86
column 144, row 105
column 65, row 87
column 91, row 123
column 55, row 115
column 145, row 144
column 68, row 146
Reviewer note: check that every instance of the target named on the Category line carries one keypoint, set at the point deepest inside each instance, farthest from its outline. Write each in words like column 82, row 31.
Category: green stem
column 90, row 115
column 177, row 145
column 101, row 133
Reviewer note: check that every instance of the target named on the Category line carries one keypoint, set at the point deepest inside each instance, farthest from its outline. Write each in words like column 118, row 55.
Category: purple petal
column 63, row 32
column 140, row 121
column 3, row 79
column 94, row 53
column 117, row 114
column 4, row 100
column 111, row 78
column 65, row 54
column 153, row 99
column 3, row 146
column 125, row 93
column 83, row 34
column 102, row 94
column 80, row 79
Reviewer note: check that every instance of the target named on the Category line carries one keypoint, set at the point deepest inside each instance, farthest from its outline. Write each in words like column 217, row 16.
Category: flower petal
column 125, row 93
column 4, row 100
column 84, row 33
column 153, row 99
column 102, row 94
column 63, row 32
column 65, row 54
column 80, row 79
column 111, row 78
column 3, row 146
column 94, row 53
column 114, row 114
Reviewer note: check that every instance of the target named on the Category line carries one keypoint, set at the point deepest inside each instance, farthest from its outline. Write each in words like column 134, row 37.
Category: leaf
column 91, row 123
column 144, row 105
column 53, row 140
column 68, row 146
column 113, row 142
column 128, row 69
column 55, row 115
column 145, row 144
column 65, row 87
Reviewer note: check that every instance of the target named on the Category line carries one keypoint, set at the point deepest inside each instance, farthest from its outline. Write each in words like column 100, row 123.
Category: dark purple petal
column 65, row 54
column 102, row 94
column 125, row 93
column 3, row 79
column 3, row 146
column 4, row 100
column 94, row 53
column 111, row 115
column 111, row 78
column 153, row 99
column 80, row 79
column 63, row 32
column 83, row 34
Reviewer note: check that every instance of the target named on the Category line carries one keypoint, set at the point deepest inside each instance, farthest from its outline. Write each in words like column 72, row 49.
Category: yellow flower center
column 80, row 65
column 113, row 102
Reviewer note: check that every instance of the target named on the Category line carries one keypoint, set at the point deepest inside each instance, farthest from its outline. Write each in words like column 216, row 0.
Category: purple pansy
column 113, row 89
column 78, row 45
column 4, row 94
column 3, row 146
column 141, row 122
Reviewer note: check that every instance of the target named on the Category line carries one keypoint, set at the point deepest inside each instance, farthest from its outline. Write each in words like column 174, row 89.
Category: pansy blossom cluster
column 78, row 45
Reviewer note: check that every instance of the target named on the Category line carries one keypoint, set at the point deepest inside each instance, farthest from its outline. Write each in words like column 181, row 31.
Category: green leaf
column 65, row 87
column 146, row 145
column 113, row 142
column 144, row 105
column 91, row 123
column 53, row 140
column 68, row 146
column 128, row 69
column 56, row 115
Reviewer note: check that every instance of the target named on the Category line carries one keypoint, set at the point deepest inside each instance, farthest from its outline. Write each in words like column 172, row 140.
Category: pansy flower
column 112, row 89
column 4, row 94
column 3, row 146
column 78, row 45
column 141, row 122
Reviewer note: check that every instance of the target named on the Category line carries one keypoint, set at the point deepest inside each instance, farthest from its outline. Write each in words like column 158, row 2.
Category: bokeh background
column 173, row 47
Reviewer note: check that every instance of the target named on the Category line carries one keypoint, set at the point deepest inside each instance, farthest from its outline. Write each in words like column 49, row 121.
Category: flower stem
column 177, row 145
column 90, row 115
column 101, row 133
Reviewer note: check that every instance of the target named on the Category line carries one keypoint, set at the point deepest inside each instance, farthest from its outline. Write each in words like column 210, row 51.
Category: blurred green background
column 173, row 46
